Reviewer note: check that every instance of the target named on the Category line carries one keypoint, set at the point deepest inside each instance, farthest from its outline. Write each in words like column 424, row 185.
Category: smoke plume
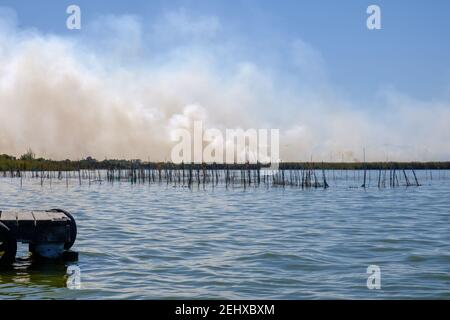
column 119, row 90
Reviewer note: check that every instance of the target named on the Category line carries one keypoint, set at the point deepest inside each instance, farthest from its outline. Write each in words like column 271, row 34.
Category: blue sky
column 140, row 69
column 410, row 53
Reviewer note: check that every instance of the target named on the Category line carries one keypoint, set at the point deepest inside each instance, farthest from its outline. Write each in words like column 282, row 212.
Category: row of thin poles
column 304, row 178
column 394, row 180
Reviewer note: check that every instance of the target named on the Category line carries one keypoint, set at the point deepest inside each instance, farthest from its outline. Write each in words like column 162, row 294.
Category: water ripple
column 158, row 242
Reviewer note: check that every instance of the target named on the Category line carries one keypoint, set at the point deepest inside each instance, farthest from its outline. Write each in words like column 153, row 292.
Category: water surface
column 141, row 241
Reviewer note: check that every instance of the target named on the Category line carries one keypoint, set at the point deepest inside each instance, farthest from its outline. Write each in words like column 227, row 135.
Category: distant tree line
column 28, row 162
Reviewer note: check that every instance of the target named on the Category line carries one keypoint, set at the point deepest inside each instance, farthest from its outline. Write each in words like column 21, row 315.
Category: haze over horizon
column 122, row 85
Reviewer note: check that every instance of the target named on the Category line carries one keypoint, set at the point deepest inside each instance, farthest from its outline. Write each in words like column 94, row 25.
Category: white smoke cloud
column 107, row 93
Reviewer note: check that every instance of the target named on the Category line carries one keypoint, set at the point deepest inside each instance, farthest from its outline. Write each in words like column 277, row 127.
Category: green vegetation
column 28, row 162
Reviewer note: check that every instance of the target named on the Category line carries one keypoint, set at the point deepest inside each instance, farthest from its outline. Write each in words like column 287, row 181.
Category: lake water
column 158, row 241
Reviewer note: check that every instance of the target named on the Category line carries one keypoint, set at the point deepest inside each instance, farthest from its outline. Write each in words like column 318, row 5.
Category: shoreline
column 11, row 163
